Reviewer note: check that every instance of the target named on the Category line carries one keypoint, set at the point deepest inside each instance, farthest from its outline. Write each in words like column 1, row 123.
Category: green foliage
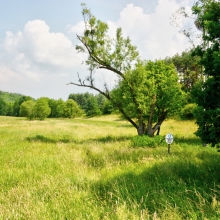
column 80, row 99
column 10, row 97
column 207, row 95
column 60, row 108
column 145, row 141
column 91, row 104
column 92, row 108
column 108, row 108
column 27, row 109
column 16, row 108
column 17, row 104
column 10, row 109
column 41, row 108
column 189, row 69
column 116, row 54
column 71, row 109
column 57, row 108
column 3, row 107
column 150, row 93
column 187, row 112
column 101, row 101
column 10, row 103
column 53, row 104
column 169, row 97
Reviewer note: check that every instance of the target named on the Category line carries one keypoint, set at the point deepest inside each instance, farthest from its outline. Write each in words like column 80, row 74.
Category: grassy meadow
column 90, row 169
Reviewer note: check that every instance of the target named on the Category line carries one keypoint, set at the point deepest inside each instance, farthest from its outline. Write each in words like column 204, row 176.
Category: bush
column 42, row 109
column 146, row 141
column 27, row 109
column 188, row 111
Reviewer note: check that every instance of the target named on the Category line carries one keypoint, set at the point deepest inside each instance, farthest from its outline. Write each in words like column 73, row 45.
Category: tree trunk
column 141, row 126
column 158, row 131
column 161, row 119
column 149, row 131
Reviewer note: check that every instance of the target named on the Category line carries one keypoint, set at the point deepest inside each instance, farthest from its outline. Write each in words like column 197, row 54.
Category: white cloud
column 36, row 45
column 152, row 33
column 6, row 74
column 76, row 29
column 35, row 57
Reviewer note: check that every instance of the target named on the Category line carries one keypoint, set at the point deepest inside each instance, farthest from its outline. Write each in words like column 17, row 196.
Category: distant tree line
column 77, row 105
column 93, row 105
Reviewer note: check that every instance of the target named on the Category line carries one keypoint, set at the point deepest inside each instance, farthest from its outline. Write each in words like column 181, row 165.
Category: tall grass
column 91, row 169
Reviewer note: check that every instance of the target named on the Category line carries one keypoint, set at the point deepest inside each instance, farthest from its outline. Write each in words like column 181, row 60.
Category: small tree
column 17, row 104
column 60, row 106
column 27, row 109
column 92, row 107
column 71, row 109
column 82, row 99
column 41, row 108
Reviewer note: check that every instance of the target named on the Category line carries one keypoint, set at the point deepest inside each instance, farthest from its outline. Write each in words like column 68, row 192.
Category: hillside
column 9, row 97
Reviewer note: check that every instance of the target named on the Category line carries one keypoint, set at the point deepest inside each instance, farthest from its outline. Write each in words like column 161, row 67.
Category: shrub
column 146, row 141
column 72, row 109
column 41, row 109
column 27, row 109
column 188, row 111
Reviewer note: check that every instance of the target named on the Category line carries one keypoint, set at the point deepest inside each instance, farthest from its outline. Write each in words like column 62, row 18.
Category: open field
column 89, row 169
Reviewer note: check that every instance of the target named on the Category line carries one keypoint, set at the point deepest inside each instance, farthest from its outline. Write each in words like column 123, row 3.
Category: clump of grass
column 94, row 159
column 146, row 141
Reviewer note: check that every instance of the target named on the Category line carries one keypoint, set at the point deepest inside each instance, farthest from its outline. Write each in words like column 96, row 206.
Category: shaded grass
column 107, row 139
column 190, row 186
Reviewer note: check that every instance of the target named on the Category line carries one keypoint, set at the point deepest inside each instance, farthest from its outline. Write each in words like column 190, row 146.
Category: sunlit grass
column 88, row 169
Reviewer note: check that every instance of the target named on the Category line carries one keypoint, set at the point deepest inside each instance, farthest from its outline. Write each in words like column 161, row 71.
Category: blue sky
column 38, row 38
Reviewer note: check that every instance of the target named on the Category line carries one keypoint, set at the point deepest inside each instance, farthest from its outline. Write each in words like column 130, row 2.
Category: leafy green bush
column 188, row 111
column 146, row 141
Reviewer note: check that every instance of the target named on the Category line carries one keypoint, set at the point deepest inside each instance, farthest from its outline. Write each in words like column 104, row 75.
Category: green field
column 90, row 169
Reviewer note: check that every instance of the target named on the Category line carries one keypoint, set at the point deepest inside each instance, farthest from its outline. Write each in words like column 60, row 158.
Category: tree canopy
column 41, row 108
column 207, row 94
column 27, row 109
column 189, row 69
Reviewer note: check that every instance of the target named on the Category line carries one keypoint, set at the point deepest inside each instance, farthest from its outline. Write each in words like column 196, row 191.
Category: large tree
column 138, row 83
column 207, row 95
